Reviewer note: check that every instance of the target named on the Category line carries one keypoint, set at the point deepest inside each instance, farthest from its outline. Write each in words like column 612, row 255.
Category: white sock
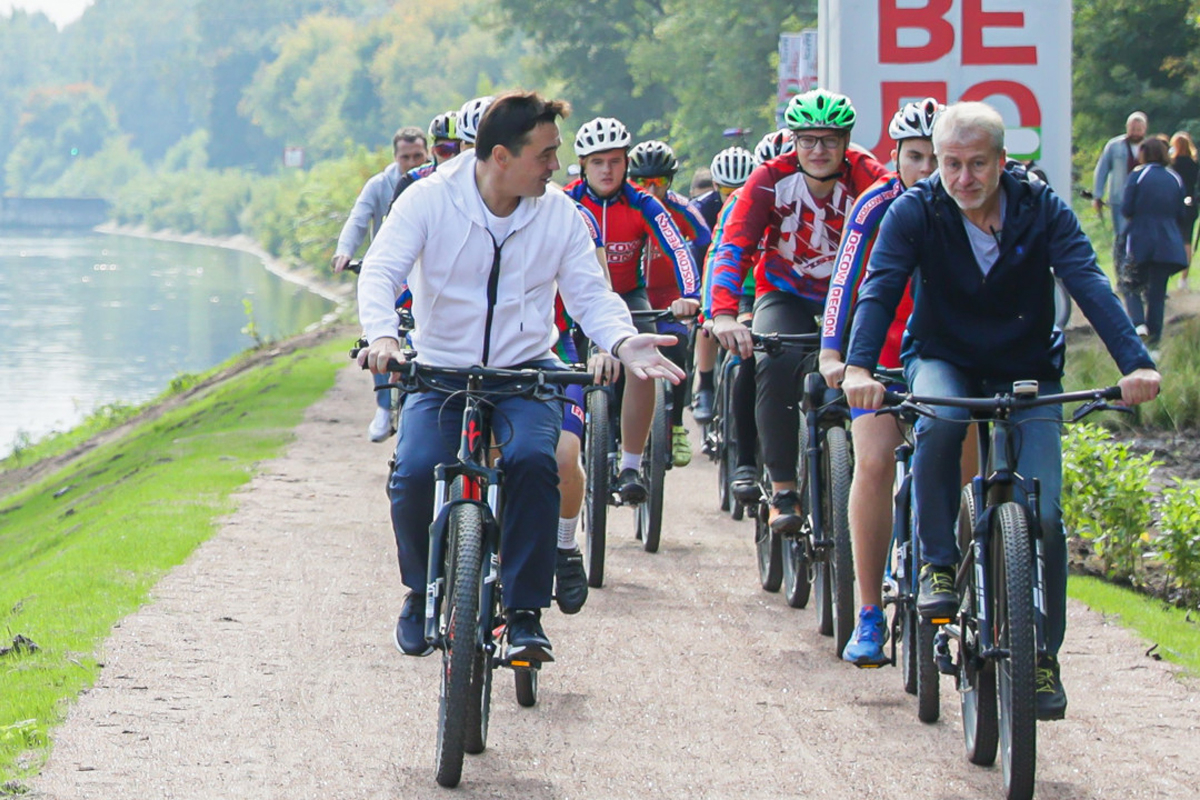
column 630, row 460
column 566, row 532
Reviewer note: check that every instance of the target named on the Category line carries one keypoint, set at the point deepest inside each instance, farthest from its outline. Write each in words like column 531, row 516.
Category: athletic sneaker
column 865, row 648
column 410, row 628
column 702, row 406
column 745, row 485
column 681, row 448
column 629, row 486
column 526, row 639
column 785, row 513
column 1051, row 697
column 936, row 596
column 380, row 429
column 571, row 585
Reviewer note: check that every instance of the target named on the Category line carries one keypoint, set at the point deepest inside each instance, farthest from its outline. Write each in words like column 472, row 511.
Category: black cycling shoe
column 410, row 628
column 744, row 485
column 936, row 596
column 629, row 486
column 526, row 639
column 571, row 586
column 1051, row 697
column 788, row 521
column 702, row 406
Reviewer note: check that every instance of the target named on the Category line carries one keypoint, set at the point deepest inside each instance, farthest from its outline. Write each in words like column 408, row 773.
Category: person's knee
column 874, row 466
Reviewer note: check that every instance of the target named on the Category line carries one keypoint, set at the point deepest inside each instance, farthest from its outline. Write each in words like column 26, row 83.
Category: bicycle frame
column 481, row 486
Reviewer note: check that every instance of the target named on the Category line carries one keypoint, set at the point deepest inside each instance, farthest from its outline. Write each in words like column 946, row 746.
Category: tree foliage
column 55, row 127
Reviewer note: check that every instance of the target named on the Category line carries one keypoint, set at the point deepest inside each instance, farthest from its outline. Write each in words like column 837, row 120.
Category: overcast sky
column 59, row 11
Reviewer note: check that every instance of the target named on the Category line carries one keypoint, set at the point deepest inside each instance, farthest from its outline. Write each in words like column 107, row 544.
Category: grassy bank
column 1175, row 635
column 83, row 547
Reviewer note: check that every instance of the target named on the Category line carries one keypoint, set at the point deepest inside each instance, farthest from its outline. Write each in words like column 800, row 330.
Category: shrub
column 1106, row 497
column 1178, row 544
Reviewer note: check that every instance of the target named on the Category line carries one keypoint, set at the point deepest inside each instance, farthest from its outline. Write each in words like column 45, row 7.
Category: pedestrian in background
column 1154, row 211
column 1183, row 161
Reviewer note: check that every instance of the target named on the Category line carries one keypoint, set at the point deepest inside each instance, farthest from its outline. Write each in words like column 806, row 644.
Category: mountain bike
column 912, row 635
column 720, row 436
column 999, row 629
column 602, row 461
column 464, row 616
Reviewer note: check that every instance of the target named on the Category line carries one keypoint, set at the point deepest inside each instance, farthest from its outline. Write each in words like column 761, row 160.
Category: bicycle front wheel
column 460, row 615
column 1015, row 630
column 596, row 489
column 838, row 560
column 654, row 470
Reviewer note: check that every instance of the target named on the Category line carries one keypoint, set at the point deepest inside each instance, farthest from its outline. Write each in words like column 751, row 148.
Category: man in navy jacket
column 979, row 243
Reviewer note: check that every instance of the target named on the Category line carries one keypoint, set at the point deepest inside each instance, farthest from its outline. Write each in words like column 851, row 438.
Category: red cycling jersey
column 628, row 220
column 661, row 286
column 801, row 233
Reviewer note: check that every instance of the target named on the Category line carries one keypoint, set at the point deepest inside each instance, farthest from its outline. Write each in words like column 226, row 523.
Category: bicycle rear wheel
column 654, row 470
column 797, row 567
column 769, row 548
column 839, row 563
column 596, row 492
column 527, row 686
column 460, row 614
column 1015, row 631
column 976, row 676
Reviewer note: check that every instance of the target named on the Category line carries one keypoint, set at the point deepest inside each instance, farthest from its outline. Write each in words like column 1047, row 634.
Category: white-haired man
column 978, row 240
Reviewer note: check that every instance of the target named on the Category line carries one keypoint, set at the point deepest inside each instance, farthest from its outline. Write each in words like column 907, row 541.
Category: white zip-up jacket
column 436, row 238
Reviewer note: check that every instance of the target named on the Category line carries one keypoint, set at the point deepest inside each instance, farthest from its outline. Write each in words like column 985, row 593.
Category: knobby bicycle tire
column 906, row 579
column 461, row 610
column 836, row 462
column 1012, row 586
column 726, row 436
column 797, row 568
column 479, row 711
column 654, row 469
column 928, row 678
column 768, row 548
column 976, row 676
column 595, row 518
column 527, row 687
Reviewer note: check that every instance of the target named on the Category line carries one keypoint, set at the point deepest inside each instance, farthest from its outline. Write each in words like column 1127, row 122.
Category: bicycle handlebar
column 1096, row 400
column 657, row 315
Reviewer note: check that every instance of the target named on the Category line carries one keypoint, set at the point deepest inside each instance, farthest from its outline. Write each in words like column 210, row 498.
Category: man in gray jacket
column 409, row 150
column 1119, row 158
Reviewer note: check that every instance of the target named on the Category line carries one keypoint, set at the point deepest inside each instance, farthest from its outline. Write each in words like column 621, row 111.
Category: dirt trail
column 263, row 668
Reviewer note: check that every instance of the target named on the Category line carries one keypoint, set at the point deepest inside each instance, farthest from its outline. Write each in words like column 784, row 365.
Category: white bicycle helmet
column 775, row 143
column 915, row 120
column 600, row 134
column 732, row 166
column 469, row 116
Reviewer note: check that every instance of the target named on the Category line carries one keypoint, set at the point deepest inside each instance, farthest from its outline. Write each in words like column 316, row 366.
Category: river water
column 90, row 320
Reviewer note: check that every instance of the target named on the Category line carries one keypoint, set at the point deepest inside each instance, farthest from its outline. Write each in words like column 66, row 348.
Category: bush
column 1106, row 498
column 1178, row 543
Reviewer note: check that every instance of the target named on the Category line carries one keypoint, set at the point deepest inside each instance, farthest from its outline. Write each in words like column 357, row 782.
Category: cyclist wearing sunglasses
column 875, row 437
column 629, row 219
column 794, row 206
column 443, row 130
column 652, row 167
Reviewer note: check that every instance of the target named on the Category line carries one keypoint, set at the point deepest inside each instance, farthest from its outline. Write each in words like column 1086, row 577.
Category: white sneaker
column 380, row 428
column 1142, row 331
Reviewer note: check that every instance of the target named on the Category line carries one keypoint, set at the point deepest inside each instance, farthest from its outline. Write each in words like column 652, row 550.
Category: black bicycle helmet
column 652, row 159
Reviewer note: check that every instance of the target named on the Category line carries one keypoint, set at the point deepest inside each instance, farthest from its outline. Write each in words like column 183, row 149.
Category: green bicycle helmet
column 819, row 108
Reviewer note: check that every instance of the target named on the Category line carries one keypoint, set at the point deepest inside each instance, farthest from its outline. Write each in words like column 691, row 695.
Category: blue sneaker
column 865, row 648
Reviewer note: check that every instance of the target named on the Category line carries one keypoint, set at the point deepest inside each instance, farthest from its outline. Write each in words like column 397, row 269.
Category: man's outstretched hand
column 640, row 356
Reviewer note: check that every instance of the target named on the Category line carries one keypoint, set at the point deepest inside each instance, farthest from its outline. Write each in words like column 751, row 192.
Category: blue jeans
column 936, row 474
column 383, row 399
column 528, row 433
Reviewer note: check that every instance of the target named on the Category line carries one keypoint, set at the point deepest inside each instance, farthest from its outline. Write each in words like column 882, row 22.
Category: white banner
column 797, row 68
column 1013, row 54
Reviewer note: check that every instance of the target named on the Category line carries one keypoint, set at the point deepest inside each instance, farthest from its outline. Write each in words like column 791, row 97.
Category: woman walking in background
column 1153, row 204
column 1183, row 161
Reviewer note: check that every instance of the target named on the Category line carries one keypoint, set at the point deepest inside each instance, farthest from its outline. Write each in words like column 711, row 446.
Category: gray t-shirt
column 986, row 244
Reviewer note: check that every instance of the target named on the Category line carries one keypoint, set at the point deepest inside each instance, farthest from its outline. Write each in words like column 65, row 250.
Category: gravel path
column 263, row 668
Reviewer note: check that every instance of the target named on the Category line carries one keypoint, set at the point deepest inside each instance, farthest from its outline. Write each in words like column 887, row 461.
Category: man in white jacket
column 484, row 246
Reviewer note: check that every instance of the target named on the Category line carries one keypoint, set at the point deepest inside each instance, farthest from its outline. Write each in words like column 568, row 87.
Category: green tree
column 1133, row 56
column 714, row 86
column 29, row 47
column 57, row 125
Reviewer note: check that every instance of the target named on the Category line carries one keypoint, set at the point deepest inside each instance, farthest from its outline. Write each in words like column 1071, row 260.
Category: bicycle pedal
column 938, row 620
column 522, row 664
